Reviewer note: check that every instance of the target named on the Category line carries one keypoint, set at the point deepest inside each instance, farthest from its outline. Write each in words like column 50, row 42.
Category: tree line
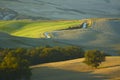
column 14, row 63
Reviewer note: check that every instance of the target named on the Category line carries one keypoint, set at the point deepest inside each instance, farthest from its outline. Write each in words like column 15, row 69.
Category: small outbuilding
column 84, row 25
column 47, row 35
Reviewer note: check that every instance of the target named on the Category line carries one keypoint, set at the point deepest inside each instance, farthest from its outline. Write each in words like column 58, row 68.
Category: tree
column 94, row 58
column 14, row 67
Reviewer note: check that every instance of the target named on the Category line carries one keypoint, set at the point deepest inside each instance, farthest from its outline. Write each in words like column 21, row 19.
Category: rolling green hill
column 28, row 33
column 35, row 29
column 101, row 33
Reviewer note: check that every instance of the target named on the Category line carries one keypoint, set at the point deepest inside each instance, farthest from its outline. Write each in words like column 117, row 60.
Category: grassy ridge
column 34, row 29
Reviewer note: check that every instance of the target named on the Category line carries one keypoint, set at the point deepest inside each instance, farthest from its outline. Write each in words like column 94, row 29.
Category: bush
column 94, row 58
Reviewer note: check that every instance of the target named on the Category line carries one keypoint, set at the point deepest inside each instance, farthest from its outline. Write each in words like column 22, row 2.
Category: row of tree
column 14, row 63
column 45, row 54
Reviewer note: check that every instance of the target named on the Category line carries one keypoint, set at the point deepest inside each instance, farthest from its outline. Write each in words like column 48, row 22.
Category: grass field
column 25, row 33
column 35, row 29
column 77, row 70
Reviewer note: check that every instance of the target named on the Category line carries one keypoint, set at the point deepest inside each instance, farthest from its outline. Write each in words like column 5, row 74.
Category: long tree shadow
column 47, row 73
column 109, row 66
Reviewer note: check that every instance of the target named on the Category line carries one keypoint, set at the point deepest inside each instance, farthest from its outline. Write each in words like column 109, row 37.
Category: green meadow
column 35, row 29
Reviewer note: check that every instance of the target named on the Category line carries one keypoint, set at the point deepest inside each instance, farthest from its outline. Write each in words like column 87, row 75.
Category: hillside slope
column 8, row 41
column 77, row 70
column 61, row 9
column 103, row 34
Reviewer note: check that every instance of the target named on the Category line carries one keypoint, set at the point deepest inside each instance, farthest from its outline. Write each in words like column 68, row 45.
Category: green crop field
column 34, row 29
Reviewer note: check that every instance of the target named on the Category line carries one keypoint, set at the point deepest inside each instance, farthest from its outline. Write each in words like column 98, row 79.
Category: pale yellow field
column 77, row 70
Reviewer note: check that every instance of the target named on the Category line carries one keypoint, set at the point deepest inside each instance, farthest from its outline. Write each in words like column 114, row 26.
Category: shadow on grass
column 47, row 73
